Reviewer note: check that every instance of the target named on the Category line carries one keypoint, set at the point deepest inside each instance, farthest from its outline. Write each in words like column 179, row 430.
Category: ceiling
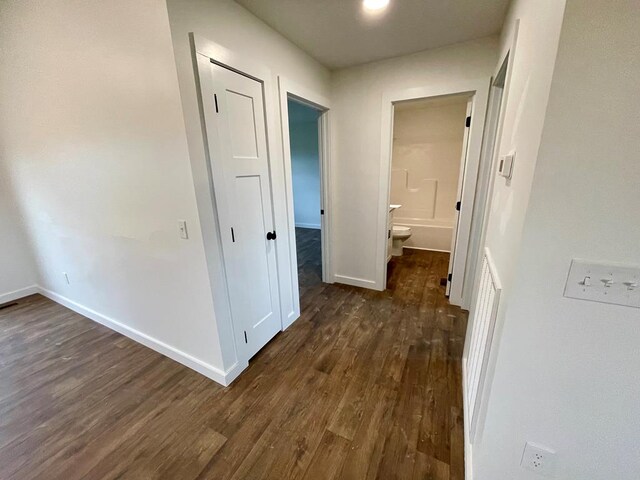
column 338, row 33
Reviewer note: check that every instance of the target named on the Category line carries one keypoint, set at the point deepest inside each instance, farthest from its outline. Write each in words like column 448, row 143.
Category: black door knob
column 271, row 235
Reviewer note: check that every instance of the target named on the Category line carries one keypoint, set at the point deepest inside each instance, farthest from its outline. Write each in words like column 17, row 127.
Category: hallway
column 309, row 250
column 364, row 385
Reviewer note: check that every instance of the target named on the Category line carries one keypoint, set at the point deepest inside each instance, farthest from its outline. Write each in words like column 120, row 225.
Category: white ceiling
column 339, row 34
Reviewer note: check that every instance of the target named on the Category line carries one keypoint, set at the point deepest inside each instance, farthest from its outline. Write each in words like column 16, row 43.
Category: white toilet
column 400, row 235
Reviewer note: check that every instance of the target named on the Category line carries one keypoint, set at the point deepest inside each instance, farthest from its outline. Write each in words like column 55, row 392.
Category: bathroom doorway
column 428, row 158
column 306, row 176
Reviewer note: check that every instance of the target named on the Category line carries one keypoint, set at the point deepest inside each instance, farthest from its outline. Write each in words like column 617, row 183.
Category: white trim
column 16, row 294
column 468, row 446
column 249, row 67
column 287, row 89
column 354, row 281
column 509, row 55
column 479, row 88
column 209, row 371
column 314, row 226
column 426, row 249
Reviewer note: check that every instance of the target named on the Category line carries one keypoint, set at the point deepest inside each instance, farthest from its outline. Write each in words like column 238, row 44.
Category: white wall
column 17, row 268
column 228, row 24
column 305, row 164
column 427, row 151
column 566, row 372
column 356, row 129
column 523, row 118
column 95, row 146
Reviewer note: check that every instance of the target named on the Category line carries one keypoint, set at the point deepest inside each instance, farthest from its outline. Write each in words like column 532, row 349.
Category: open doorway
column 304, row 144
column 430, row 137
column 443, row 221
column 305, row 136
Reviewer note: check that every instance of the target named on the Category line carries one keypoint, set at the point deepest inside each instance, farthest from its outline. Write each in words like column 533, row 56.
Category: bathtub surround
column 427, row 147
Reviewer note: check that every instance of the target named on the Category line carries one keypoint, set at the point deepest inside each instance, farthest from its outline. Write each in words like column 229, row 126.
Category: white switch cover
column 506, row 165
column 606, row 283
column 182, row 228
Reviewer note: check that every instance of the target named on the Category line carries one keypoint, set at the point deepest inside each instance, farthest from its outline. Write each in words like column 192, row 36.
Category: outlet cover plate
column 539, row 459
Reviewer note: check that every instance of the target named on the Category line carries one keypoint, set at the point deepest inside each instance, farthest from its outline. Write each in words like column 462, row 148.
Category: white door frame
column 319, row 102
column 479, row 89
column 244, row 65
column 491, row 152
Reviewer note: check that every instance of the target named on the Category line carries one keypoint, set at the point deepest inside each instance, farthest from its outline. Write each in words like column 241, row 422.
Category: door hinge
column 233, row 235
column 322, row 211
column 468, row 122
column 458, row 205
column 449, row 277
column 245, row 337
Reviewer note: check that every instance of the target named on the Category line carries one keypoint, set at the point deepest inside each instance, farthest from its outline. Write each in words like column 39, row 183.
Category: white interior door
column 236, row 135
column 456, row 262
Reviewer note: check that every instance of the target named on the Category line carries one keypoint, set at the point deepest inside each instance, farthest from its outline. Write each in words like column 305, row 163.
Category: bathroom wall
column 427, row 148
column 305, row 164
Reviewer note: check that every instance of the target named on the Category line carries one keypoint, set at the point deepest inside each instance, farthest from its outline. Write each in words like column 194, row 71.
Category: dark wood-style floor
column 364, row 385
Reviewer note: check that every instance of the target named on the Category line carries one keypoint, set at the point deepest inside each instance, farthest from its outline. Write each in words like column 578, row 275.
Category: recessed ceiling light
column 374, row 5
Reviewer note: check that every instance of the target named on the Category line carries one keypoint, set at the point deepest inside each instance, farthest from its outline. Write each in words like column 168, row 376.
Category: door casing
column 479, row 89
column 202, row 49
column 315, row 100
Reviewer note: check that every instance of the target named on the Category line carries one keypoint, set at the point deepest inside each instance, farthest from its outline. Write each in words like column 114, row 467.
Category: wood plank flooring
column 364, row 385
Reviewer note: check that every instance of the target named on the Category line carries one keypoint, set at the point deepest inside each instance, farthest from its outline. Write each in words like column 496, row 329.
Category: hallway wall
column 355, row 132
column 18, row 274
column 102, row 166
column 231, row 26
column 566, row 372
column 94, row 143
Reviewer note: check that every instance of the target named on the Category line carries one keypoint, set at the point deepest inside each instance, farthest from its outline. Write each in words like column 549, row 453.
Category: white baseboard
column 16, row 294
column 356, row 282
column 315, row 226
column 209, row 371
column 427, row 249
column 468, row 456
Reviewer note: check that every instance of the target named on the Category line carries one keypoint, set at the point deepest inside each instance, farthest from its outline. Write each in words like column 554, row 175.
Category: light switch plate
column 506, row 165
column 182, row 229
column 605, row 283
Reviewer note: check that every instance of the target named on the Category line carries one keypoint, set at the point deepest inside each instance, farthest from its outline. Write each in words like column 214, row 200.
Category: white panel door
column 236, row 135
column 458, row 256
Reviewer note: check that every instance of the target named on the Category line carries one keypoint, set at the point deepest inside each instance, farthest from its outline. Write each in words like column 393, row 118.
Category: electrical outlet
column 539, row 459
